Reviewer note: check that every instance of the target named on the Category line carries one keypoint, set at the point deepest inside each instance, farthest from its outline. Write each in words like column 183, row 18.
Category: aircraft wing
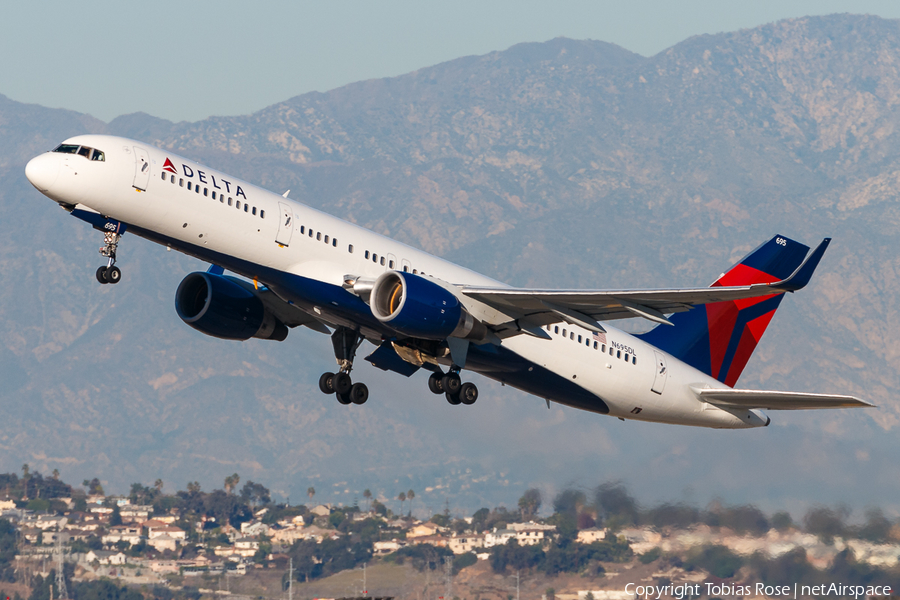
column 586, row 307
column 729, row 398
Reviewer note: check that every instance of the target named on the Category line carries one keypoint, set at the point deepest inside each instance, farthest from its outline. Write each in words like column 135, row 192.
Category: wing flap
column 775, row 400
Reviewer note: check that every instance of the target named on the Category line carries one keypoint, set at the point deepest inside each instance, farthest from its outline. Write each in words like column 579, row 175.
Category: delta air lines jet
column 299, row 266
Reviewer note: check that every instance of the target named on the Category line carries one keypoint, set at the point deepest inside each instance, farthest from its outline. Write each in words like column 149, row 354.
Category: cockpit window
column 88, row 153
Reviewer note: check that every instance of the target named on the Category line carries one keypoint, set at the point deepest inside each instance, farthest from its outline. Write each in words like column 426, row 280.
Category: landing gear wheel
column 359, row 393
column 452, row 398
column 326, row 383
column 343, row 398
column 113, row 275
column 468, row 393
column 101, row 275
column 451, row 384
column 341, row 383
column 434, row 383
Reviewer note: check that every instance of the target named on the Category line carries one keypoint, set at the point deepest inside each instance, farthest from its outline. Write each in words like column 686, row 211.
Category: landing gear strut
column 345, row 342
column 452, row 387
column 110, row 273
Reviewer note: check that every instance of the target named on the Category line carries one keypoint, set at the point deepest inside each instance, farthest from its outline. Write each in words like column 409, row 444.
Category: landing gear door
column 659, row 379
column 141, row 168
column 285, row 224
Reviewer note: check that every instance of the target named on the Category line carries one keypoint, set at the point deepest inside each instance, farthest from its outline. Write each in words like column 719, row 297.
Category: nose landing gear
column 110, row 273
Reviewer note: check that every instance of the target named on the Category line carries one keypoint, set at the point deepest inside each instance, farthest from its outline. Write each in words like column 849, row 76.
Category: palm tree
column 402, row 499
column 310, row 491
column 231, row 482
column 409, row 496
column 368, row 496
column 158, row 485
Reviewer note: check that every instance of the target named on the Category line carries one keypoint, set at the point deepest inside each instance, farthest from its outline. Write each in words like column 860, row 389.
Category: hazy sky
column 191, row 60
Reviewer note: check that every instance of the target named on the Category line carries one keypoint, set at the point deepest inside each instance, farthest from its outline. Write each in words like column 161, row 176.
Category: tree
column 93, row 487
column 615, row 504
column 158, row 484
column 530, row 503
column 255, row 493
column 231, row 482
column 310, row 491
column 402, row 499
column 368, row 496
column 56, row 474
column 193, row 487
column 409, row 496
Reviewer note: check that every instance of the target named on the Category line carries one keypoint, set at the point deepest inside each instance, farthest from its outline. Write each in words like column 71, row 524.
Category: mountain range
column 568, row 163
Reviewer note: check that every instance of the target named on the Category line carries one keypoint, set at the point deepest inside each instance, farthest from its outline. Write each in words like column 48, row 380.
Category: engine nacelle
column 218, row 306
column 414, row 306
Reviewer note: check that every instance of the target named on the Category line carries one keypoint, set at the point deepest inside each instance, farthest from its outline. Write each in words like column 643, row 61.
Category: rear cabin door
column 141, row 168
column 659, row 379
column 285, row 224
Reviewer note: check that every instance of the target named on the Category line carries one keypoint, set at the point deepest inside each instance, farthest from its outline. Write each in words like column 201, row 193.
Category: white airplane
column 301, row 266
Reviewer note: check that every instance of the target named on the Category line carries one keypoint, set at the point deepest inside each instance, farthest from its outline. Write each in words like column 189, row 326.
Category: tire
column 101, row 275
column 451, row 383
column 468, row 393
column 359, row 393
column 113, row 275
column 434, row 383
column 452, row 398
column 341, row 383
column 343, row 398
column 325, row 383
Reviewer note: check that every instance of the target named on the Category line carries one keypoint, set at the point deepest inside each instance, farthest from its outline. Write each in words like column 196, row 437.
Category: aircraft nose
column 42, row 171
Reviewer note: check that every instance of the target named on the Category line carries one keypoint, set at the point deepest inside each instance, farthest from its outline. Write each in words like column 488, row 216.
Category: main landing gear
column 110, row 273
column 345, row 342
column 452, row 387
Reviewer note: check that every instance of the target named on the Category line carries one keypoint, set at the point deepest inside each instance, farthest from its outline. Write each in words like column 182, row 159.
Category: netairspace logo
column 687, row 590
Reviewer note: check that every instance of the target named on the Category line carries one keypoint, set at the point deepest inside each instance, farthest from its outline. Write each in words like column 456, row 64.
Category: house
column 434, row 540
column 163, row 542
column 322, row 510
column 424, row 529
column 174, row 532
column 382, row 548
column 253, row 528
column 163, row 566
column 465, row 543
column 135, row 513
column 7, row 505
column 46, row 522
column 246, row 546
column 104, row 557
column 123, row 533
column 498, row 537
column 589, row 536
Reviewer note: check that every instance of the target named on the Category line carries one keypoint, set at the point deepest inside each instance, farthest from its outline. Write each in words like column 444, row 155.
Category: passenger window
column 572, row 335
column 565, row 333
column 415, row 271
column 405, row 269
column 164, row 176
column 610, row 350
column 181, row 182
column 222, row 198
column 334, row 242
column 189, row 186
column 302, row 229
column 587, row 342
column 367, row 254
column 238, row 205
column 382, row 261
column 602, row 347
column 391, row 265
column 626, row 357
column 634, row 360
column 319, row 236
column 326, row 239
column 173, row 179
column 205, row 190
column 595, row 345
column 214, row 195
column 556, row 329
column 579, row 339
column 350, row 248
column 229, row 199
column 618, row 354
column 254, row 211
column 310, row 233
column 262, row 214
column 246, row 207
column 374, row 258
column 197, row 189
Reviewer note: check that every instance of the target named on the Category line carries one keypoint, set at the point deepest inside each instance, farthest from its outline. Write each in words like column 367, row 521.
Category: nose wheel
column 345, row 342
column 110, row 273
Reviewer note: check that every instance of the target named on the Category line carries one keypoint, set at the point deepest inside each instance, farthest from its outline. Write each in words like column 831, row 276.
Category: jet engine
column 417, row 307
column 221, row 307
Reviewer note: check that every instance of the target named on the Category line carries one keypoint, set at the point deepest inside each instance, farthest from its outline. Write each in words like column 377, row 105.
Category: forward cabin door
column 141, row 168
column 659, row 379
column 285, row 224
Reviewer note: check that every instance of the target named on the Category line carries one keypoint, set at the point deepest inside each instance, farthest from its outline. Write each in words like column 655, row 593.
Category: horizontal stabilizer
column 773, row 400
